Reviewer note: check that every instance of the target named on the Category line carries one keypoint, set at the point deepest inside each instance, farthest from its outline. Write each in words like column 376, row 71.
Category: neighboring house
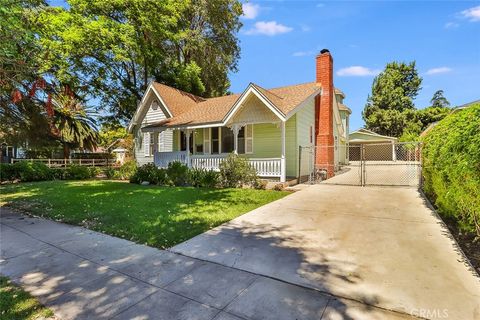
column 265, row 126
column 374, row 146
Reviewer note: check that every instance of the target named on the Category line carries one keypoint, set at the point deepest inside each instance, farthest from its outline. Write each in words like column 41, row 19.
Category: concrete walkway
column 380, row 245
column 82, row 274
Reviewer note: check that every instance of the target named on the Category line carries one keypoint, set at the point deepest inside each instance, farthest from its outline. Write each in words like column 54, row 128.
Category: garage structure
column 376, row 147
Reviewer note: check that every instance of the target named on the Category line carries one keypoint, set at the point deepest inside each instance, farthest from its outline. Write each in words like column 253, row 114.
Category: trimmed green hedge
column 26, row 171
column 451, row 167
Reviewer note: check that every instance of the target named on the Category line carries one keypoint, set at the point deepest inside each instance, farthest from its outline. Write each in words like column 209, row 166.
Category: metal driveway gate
column 381, row 164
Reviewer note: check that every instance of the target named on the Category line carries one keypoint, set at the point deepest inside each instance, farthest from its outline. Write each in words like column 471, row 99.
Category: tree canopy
column 438, row 100
column 390, row 106
column 112, row 49
column 104, row 54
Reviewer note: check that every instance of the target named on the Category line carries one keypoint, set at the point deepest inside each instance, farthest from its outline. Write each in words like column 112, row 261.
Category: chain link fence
column 389, row 164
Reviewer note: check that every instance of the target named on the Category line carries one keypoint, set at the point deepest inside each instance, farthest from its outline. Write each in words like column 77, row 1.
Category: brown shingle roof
column 177, row 101
column 189, row 109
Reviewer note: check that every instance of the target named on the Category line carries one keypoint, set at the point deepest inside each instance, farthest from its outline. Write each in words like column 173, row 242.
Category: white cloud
column 250, row 10
column 438, row 70
column 357, row 71
column 303, row 53
column 472, row 14
column 451, row 25
column 268, row 28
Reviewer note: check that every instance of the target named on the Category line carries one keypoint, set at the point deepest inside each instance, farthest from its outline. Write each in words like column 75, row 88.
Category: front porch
column 265, row 167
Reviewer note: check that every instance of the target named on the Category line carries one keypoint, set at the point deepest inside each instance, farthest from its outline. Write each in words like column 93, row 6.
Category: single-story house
column 267, row 126
column 376, row 147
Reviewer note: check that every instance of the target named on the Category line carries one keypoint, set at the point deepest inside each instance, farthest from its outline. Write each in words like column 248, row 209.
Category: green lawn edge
column 152, row 215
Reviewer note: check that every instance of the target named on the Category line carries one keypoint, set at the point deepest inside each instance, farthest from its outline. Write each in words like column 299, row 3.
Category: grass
column 151, row 215
column 18, row 304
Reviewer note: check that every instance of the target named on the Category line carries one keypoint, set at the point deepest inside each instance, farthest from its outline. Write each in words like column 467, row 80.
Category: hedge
column 451, row 167
column 37, row 171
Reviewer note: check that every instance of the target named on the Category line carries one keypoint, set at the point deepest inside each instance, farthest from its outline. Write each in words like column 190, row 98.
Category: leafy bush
column 7, row 172
column 76, row 172
column 127, row 170
column 451, row 167
column 236, row 172
column 203, row 178
column 110, row 172
column 177, row 172
column 147, row 172
column 31, row 171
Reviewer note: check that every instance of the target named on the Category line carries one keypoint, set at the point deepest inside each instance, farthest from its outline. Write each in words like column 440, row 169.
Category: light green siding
column 176, row 140
column 267, row 143
column 305, row 134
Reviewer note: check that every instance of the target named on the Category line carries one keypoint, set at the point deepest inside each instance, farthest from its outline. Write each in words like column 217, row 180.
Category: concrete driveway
column 382, row 246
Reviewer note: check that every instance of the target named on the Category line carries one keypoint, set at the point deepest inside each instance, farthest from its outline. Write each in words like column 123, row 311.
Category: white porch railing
column 162, row 159
column 266, row 167
column 207, row 162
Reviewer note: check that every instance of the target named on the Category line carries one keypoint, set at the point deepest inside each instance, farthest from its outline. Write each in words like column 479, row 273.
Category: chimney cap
column 324, row 51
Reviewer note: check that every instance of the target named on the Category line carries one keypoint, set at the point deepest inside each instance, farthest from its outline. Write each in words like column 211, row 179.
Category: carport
column 375, row 147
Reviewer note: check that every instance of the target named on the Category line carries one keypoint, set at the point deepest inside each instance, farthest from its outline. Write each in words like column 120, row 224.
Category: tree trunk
column 66, row 151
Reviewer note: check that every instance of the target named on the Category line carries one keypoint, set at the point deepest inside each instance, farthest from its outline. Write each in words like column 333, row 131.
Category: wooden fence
column 62, row 163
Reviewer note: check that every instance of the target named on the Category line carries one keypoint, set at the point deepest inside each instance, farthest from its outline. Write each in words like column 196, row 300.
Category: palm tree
column 72, row 124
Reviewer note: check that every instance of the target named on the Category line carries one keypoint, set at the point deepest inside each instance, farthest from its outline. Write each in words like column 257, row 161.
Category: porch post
column 283, row 168
column 394, row 154
column 187, row 136
column 235, row 138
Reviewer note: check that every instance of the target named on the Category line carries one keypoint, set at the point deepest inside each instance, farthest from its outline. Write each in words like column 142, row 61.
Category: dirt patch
column 469, row 243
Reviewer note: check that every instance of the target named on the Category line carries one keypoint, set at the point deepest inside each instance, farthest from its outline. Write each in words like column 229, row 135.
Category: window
column 227, row 140
column 183, row 142
column 311, row 134
column 148, row 142
column 151, row 144
column 215, row 140
column 241, row 141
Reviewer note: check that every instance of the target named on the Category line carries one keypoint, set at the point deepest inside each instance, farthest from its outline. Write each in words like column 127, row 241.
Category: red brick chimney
column 324, row 158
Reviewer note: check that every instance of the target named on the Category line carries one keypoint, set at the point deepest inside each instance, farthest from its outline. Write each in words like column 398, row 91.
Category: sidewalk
column 81, row 274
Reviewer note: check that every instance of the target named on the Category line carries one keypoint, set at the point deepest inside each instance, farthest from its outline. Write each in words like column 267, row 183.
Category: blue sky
column 279, row 41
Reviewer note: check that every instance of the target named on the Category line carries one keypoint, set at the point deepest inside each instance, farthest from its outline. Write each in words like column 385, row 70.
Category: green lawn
column 16, row 304
column 152, row 215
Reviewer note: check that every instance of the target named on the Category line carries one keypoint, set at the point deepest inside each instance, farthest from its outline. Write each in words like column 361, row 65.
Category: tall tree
column 112, row 49
column 72, row 124
column 390, row 105
column 439, row 100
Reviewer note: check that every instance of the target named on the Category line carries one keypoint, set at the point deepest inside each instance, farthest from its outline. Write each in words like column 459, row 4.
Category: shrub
column 147, row 172
column 110, row 172
column 177, row 173
column 203, row 178
column 236, row 172
column 7, row 172
column 127, row 170
column 31, row 171
column 76, row 172
column 451, row 167
column 58, row 173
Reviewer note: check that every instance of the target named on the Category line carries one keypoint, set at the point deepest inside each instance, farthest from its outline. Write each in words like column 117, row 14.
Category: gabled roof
column 371, row 133
column 343, row 107
column 187, row 109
